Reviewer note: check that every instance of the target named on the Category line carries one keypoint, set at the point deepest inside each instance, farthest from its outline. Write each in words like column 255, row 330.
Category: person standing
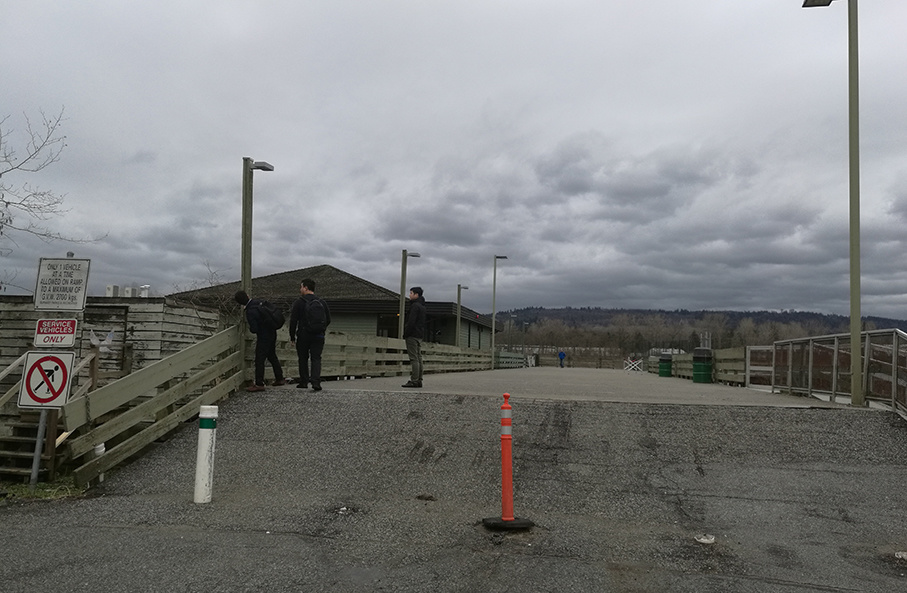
column 265, row 342
column 414, row 333
column 309, row 319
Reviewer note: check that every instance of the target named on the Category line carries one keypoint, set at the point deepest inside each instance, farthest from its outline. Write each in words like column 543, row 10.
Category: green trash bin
column 664, row 365
column 702, row 365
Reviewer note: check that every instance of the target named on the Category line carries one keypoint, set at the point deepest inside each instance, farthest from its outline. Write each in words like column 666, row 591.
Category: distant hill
column 592, row 317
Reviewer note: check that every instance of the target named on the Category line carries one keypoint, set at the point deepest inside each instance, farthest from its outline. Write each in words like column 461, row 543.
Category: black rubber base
column 499, row 524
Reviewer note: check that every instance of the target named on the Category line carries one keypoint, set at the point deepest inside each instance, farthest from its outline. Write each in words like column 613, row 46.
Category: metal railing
column 820, row 367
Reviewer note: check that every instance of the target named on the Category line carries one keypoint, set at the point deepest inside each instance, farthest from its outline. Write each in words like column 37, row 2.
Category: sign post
column 62, row 285
column 45, row 385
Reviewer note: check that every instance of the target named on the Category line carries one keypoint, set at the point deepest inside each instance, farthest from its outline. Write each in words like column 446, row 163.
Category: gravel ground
column 356, row 489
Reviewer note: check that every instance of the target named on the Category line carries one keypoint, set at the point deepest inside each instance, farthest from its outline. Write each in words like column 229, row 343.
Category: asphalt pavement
column 635, row 483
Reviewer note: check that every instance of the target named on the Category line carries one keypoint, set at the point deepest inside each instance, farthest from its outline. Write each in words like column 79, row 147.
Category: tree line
column 625, row 332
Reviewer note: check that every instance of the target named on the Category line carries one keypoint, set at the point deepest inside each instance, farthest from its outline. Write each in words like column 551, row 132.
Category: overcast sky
column 657, row 154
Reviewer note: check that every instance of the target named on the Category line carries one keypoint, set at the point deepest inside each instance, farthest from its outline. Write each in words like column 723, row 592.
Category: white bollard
column 98, row 451
column 204, row 462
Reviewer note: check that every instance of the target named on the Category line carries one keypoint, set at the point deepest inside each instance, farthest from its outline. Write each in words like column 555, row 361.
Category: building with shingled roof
column 357, row 305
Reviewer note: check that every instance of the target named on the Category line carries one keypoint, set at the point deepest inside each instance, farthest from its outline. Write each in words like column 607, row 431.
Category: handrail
column 869, row 332
column 12, row 367
column 819, row 366
column 170, row 391
column 78, row 412
column 15, row 388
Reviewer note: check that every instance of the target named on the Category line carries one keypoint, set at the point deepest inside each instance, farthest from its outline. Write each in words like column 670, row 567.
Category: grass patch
column 60, row 489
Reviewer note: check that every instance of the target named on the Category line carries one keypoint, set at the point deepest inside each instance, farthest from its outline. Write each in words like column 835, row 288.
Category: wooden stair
column 17, row 448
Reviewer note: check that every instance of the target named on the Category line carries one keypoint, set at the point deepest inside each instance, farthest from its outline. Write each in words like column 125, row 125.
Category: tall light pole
column 248, row 165
column 460, row 289
column 853, row 71
column 403, row 291
column 494, row 292
column 525, row 323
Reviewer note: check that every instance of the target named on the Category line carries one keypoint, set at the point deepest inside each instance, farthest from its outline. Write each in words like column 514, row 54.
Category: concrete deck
column 366, row 486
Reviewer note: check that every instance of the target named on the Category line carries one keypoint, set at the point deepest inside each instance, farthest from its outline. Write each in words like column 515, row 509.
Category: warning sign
column 45, row 383
column 62, row 284
column 55, row 332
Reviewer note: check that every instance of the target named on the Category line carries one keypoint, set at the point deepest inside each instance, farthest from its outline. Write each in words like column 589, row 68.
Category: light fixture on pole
column 853, row 70
column 403, row 291
column 248, row 165
column 494, row 291
column 460, row 289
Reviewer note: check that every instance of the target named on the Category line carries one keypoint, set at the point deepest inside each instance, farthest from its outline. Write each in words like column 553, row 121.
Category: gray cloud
column 657, row 154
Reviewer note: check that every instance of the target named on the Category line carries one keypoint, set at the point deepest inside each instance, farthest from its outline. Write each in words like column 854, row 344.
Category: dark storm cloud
column 620, row 154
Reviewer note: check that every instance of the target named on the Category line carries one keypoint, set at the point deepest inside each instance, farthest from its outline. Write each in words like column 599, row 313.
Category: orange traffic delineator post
column 507, row 520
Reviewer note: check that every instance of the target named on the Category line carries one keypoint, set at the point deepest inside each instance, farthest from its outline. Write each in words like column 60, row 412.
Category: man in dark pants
column 414, row 333
column 265, row 343
column 309, row 320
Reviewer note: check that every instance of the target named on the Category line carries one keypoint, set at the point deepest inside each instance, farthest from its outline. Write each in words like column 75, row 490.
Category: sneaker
column 279, row 383
column 255, row 388
column 413, row 384
column 316, row 387
column 301, row 385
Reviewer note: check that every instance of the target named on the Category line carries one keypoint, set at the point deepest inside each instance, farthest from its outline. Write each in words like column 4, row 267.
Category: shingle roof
column 331, row 284
column 343, row 291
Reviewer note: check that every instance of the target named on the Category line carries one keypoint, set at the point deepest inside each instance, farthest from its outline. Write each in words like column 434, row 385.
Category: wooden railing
column 130, row 413
column 354, row 355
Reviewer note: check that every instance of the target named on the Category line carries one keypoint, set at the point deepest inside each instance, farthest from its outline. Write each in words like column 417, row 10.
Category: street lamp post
column 403, row 292
column 248, row 165
column 460, row 289
column 853, row 71
column 494, row 291
column 525, row 323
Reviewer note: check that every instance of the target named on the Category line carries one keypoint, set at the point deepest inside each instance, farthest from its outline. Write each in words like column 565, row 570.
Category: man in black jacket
column 265, row 343
column 309, row 320
column 414, row 333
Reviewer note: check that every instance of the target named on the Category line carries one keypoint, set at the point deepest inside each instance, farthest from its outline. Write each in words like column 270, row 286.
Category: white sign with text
column 62, row 284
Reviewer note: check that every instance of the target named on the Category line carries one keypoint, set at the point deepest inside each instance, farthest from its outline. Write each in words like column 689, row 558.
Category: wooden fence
column 730, row 366
column 130, row 413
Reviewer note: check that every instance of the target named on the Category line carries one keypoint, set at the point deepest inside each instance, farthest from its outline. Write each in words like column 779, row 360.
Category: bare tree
column 26, row 208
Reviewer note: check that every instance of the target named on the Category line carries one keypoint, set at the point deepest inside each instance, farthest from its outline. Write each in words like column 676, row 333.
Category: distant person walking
column 261, row 325
column 562, row 355
column 309, row 319
column 414, row 333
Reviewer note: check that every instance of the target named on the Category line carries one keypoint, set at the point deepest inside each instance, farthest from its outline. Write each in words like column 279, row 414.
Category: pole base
column 498, row 524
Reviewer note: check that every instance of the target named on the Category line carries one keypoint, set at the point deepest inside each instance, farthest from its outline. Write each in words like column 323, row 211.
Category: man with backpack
column 264, row 320
column 309, row 319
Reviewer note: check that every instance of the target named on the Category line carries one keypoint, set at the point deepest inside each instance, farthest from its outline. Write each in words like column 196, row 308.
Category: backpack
column 316, row 317
column 271, row 315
